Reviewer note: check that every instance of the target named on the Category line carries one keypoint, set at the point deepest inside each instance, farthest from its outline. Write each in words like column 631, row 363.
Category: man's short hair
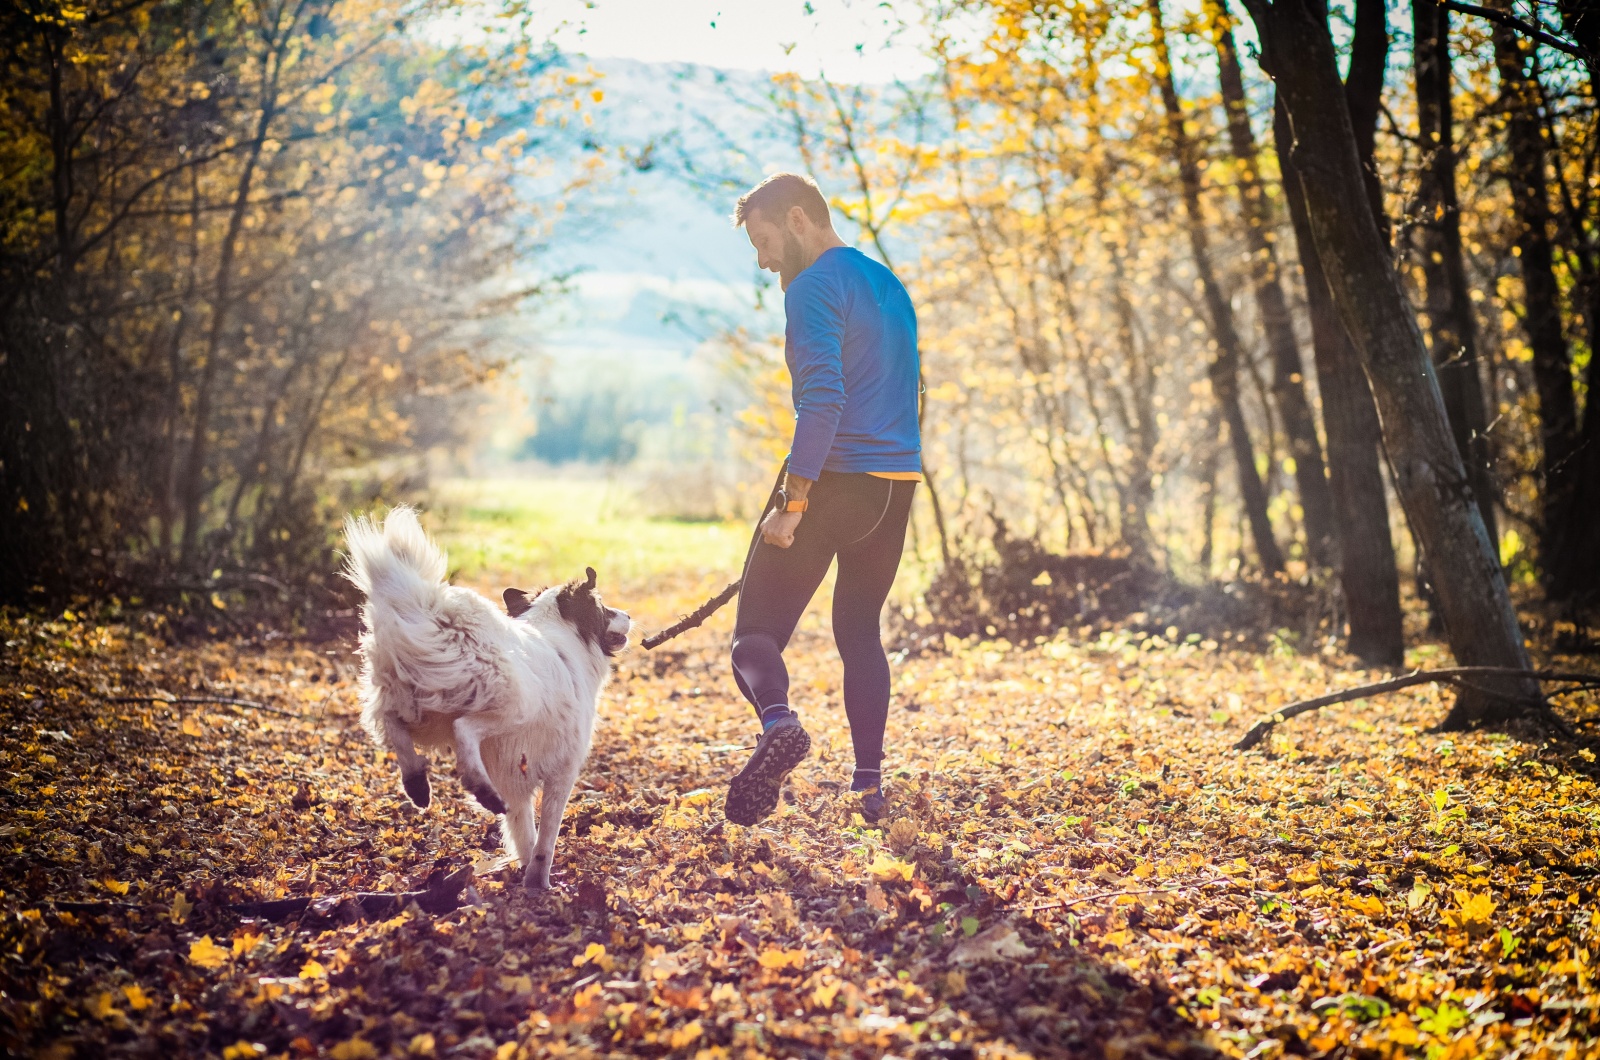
column 774, row 197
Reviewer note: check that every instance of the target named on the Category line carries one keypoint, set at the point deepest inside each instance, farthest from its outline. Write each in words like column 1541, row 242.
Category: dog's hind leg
column 413, row 767
column 552, row 804
column 469, row 736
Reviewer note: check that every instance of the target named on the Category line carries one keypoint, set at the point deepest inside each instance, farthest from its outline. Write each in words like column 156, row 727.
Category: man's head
column 787, row 221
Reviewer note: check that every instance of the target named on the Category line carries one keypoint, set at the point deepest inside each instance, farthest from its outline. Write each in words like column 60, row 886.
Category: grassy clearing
column 526, row 531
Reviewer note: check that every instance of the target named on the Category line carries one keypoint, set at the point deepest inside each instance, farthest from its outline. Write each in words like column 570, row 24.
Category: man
column 851, row 345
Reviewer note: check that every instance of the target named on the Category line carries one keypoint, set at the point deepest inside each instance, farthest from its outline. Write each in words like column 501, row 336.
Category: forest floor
column 1076, row 863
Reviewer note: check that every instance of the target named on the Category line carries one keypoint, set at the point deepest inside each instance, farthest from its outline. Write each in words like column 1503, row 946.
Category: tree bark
column 1224, row 367
column 1368, row 573
column 1363, row 98
column 1476, row 607
column 1541, row 318
column 1288, row 378
column 1448, row 304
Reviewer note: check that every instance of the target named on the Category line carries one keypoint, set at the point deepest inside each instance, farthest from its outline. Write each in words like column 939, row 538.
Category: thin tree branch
column 1460, row 675
column 1527, row 29
column 190, row 700
column 444, row 896
column 694, row 618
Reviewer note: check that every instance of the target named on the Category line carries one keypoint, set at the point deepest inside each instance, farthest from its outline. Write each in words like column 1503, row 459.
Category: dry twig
column 191, row 700
column 443, row 896
column 1459, row 675
column 1096, row 897
column 694, row 618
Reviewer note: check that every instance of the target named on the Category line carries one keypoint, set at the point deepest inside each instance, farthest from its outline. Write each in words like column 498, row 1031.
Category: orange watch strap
column 797, row 505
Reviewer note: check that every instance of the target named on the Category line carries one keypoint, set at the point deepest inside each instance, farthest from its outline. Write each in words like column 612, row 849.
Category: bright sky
column 849, row 40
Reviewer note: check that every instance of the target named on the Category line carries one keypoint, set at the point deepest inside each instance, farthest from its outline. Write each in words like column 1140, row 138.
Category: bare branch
column 1460, row 676
column 694, row 618
column 1527, row 29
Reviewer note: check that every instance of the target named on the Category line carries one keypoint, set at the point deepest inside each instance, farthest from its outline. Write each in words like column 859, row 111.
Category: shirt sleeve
column 815, row 339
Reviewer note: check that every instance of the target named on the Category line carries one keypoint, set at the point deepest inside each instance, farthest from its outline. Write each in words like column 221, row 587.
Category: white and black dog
column 514, row 693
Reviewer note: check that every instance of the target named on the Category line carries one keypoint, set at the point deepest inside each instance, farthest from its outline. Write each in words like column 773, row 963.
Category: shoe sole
column 754, row 793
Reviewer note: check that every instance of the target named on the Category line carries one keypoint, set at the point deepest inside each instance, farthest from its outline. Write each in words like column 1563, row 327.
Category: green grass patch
column 536, row 532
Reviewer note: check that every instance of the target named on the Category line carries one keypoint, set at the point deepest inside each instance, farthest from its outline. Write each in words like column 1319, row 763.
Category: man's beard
column 793, row 263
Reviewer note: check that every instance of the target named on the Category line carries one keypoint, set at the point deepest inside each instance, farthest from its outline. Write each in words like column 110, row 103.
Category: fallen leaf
column 886, row 867
column 998, row 943
column 776, row 958
column 205, row 953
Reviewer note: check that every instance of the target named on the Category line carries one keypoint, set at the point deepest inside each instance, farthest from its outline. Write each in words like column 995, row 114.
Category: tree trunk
column 1449, row 307
column 1367, row 569
column 1224, row 368
column 1541, row 319
column 1141, row 424
column 1363, row 98
column 1476, row 607
column 1288, row 378
column 193, row 481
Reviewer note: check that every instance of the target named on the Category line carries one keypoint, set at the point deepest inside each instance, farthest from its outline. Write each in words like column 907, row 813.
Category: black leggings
column 862, row 520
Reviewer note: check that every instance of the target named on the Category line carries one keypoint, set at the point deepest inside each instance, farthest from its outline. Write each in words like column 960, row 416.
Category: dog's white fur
column 443, row 666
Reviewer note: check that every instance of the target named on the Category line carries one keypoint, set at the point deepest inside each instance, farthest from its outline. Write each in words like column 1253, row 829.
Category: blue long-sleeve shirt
column 851, row 345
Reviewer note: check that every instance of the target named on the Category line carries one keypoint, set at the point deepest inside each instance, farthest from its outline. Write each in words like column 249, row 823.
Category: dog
column 513, row 693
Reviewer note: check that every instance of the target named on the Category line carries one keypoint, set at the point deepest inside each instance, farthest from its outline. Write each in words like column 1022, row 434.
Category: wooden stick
column 1459, row 675
column 694, row 618
column 1096, row 898
column 223, row 700
column 1118, row 894
column 444, row 897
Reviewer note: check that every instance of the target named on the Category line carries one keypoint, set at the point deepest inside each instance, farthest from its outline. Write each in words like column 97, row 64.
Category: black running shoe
column 873, row 804
column 753, row 794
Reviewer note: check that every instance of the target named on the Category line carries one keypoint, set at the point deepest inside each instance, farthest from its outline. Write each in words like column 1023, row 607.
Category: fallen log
column 693, row 618
column 1461, row 676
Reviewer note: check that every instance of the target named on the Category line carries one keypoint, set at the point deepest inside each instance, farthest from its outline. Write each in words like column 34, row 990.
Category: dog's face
column 580, row 605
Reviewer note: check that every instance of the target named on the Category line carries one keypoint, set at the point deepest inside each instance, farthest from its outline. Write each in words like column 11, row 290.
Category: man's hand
column 778, row 527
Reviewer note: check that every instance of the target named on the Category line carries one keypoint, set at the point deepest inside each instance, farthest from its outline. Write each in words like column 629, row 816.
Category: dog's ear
column 590, row 572
column 517, row 601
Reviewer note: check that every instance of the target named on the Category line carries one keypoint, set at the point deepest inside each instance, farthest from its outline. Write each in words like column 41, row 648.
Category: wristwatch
column 791, row 504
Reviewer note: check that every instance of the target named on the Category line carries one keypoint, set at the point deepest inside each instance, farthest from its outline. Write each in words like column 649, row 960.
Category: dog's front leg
column 552, row 804
column 469, row 736
column 413, row 767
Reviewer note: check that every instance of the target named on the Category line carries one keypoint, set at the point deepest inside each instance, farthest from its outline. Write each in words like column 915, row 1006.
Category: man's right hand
column 778, row 527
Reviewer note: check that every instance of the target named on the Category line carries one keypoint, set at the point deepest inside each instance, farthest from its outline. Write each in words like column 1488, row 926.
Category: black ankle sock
column 769, row 715
column 866, row 780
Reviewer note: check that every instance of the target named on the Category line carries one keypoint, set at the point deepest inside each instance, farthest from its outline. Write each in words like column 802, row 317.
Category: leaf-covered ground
column 1076, row 864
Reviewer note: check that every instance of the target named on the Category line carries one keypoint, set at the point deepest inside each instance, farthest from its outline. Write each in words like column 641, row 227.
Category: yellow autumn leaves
column 205, row 953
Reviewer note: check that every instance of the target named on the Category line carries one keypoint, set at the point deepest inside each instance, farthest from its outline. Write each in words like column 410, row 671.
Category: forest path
column 1360, row 884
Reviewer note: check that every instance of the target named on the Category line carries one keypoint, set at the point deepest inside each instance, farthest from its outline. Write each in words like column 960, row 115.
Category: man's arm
column 815, row 340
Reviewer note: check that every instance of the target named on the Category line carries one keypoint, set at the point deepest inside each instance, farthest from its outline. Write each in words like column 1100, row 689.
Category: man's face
column 777, row 249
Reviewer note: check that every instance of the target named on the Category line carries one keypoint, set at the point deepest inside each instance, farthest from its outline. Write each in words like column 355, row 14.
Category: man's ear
column 798, row 220
column 517, row 601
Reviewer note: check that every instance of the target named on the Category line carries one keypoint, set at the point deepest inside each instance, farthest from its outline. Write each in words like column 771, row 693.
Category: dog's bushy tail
column 394, row 563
